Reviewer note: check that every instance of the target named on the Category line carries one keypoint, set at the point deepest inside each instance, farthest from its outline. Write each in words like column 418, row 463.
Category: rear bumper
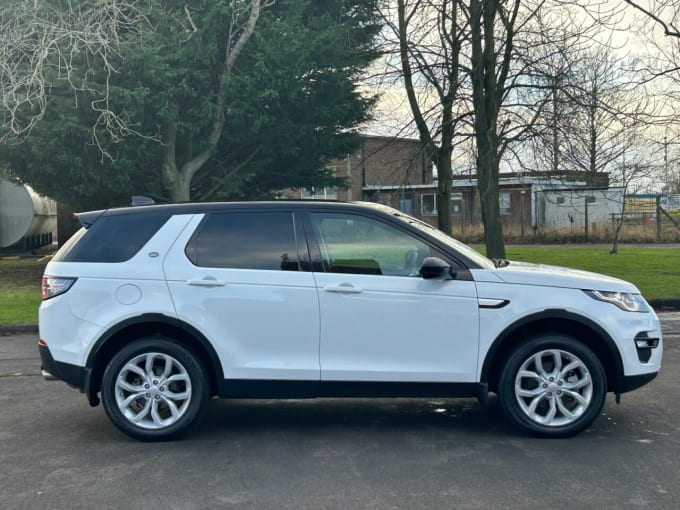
column 71, row 374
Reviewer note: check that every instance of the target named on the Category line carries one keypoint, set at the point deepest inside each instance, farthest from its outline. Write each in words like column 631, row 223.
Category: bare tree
column 665, row 13
column 466, row 51
column 39, row 44
column 43, row 42
column 424, row 49
column 609, row 112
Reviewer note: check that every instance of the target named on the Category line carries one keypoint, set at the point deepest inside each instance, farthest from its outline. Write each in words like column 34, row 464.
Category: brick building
column 395, row 172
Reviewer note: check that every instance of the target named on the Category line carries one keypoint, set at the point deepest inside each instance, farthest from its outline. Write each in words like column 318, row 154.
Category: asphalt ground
column 56, row 452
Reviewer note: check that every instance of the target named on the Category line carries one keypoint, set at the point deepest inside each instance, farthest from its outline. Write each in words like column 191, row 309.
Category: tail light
column 53, row 286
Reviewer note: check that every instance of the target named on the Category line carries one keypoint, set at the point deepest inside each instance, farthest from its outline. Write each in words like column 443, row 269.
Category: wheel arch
column 147, row 325
column 554, row 321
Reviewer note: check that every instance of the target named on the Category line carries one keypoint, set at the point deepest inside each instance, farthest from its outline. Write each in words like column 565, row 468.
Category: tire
column 153, row 389
column 552, row 386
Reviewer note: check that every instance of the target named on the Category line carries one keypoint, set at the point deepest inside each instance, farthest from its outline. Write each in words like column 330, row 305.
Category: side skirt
column 243, row 388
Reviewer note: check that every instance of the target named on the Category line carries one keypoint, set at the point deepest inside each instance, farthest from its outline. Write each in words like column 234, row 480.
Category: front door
column 381, row 321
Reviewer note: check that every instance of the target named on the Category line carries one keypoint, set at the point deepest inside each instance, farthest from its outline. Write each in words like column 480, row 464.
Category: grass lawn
column 20, row 290
column 654, row 270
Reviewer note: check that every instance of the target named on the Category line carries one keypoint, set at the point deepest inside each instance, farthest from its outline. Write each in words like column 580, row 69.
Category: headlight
column 624, row 300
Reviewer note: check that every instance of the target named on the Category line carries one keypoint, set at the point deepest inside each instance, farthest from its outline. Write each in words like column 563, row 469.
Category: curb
column 19, row 329
column 665, row 305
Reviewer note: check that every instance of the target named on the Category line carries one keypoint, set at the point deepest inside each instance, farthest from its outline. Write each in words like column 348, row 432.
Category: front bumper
column 632, row 382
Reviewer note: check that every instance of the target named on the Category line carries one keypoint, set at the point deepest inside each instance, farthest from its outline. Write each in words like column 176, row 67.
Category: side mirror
column 435, row 268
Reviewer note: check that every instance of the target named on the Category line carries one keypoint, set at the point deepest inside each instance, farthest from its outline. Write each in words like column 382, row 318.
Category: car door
column 380, row 320
column 237, row 278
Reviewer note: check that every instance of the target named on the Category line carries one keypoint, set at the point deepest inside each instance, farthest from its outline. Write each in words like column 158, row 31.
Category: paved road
column 57, row 452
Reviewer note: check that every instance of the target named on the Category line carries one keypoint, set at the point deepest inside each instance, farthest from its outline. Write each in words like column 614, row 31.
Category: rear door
column 237, row 277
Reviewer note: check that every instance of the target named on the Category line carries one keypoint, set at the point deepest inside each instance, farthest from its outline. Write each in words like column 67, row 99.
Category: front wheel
column 153, row 389
column 553, row 386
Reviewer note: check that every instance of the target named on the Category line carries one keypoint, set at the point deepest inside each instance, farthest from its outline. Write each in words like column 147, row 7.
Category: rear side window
column 245, row 241
column 114, row 238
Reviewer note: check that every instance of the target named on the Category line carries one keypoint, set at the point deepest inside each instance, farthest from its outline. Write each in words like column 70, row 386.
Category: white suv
column 158, row 308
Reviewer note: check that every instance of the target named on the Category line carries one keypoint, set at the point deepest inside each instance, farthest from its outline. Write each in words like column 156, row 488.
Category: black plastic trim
column 632, row 382
column 72, row 375
column 249, row 388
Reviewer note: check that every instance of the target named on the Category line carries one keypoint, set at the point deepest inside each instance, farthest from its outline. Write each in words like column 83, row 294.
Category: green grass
column 20, row 290
column 654, row 270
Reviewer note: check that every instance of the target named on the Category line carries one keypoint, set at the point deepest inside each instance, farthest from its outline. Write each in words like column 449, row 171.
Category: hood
column 523, row 273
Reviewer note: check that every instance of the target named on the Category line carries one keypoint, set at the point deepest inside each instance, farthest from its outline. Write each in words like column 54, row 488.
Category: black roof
column 89, row 217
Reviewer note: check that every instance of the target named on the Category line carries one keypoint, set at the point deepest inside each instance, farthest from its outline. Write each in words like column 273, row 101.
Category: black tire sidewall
column 543, row 342
column 183, row 356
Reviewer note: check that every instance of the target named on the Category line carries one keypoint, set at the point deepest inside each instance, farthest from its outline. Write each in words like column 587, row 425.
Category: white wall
column 566, row 209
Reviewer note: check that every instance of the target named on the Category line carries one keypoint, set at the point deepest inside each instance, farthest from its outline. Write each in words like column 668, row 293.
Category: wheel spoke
column 585, row 381
column 538, row 361
column 178, row 396
column 168, row 366
column 143, row 413
column 130, row 399
column 177, row 378
column 570, row 366
column 134, row 368
column 531, row 410
column 548, row 418
column 148, row 365
column 577, row 396
column 526, row 374
column 566, row 412
column 557, row 360
column 155, row 415
column 522, row 392
column 172, row 406
column 122, row 383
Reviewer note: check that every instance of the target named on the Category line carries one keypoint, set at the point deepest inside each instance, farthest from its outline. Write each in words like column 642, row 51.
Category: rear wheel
column 153, row 389
column 553, row 386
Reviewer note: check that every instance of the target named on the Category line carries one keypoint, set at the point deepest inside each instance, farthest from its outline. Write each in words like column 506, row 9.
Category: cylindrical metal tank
column 25, row 216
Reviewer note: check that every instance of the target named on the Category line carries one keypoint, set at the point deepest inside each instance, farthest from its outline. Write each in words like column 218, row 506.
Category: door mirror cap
column 435, row 268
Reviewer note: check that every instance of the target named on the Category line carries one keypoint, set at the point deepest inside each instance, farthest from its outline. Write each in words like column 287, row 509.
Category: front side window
column 359, row 245
column 245, row 240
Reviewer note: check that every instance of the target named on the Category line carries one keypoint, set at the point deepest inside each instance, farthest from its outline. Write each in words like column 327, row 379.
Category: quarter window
column 245, row 241
column 355, row 244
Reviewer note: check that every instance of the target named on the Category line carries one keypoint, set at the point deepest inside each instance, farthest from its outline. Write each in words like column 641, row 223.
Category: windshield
column 462, row 248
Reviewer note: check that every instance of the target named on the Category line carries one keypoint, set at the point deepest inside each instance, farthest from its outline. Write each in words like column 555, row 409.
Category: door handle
column 207, row 281
column 343, row 288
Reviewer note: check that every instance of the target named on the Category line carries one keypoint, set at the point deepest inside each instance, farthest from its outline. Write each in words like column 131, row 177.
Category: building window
column 428, row 206
column 406, row 203
column 456, row 203
column 319, row 194
column 504, row 202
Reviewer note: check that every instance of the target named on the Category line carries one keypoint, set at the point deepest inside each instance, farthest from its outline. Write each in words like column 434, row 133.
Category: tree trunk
column 487, row 87
column 178, row 179
column 487, row 184
column 444, row 192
